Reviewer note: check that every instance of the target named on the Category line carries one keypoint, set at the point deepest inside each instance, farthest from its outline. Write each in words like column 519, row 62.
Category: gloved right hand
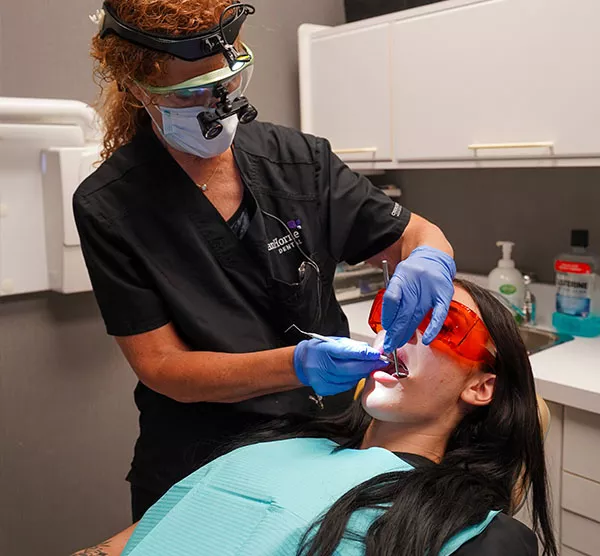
column 331, row 368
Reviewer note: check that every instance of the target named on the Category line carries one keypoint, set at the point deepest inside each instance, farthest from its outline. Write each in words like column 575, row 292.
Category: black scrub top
column 158, row 252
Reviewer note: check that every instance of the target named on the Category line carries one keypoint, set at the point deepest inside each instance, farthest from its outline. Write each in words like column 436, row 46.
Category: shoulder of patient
column 520, row 536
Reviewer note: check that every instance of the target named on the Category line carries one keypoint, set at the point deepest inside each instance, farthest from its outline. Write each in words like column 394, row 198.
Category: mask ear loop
column 145, row 106
column 142, row 104
column 126, row 89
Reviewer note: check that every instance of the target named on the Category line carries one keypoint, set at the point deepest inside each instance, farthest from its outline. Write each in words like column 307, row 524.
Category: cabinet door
column 582, row 444
column 349, row 92
column 479, row 80
column 581, row 534
column 581, row 496
column 567, row 86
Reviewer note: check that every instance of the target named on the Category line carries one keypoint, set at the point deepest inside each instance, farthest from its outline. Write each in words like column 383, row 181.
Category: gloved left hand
column 420, row 283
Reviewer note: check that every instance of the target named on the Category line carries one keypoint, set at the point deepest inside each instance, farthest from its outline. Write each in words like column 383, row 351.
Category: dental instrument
column 328, row 340
column 397, row 364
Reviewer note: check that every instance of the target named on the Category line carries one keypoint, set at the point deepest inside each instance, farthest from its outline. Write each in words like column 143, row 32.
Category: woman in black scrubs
column 206, row 240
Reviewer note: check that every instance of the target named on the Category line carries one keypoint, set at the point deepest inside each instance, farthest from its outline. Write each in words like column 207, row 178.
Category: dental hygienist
column 208, row 234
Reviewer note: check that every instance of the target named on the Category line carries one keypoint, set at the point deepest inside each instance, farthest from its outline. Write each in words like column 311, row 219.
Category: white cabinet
column 580, row 500
column 582, row 444
column 464, row 77
column 346, row 91
column 580, row 496
column 473, row 83
column 581, row 534
column 572, row 460
column 508, row 77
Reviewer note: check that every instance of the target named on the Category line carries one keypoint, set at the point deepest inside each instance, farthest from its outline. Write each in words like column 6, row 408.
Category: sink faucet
column 530, row 305
column 525, row 314
column 517, row 312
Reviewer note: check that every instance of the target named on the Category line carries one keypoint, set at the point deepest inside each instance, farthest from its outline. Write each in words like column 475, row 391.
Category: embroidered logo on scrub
column 397, row 211
column 289, row 241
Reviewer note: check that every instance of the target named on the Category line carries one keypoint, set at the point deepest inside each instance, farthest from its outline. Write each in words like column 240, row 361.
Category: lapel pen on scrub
column 328, row 340
column 398, row 373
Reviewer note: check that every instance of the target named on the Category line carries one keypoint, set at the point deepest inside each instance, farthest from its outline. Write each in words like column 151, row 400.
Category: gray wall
column 67, row 421
column 37, row 60
column 535, row 208
column 67, row 426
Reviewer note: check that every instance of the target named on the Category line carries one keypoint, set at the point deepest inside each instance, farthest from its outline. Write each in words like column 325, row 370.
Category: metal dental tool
column 314, row 336
column 400, row 369
column 316, row 398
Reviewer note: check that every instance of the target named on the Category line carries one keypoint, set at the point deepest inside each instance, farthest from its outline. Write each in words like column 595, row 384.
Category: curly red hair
column 117, row 61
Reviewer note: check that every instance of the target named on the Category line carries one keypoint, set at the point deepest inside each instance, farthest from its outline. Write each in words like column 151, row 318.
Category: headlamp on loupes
column 212, row 90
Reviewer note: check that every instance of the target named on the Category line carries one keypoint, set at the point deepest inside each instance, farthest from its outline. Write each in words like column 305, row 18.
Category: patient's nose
column 413, row 340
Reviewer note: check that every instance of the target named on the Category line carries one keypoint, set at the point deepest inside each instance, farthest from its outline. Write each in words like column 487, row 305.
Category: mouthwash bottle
column 577, row 289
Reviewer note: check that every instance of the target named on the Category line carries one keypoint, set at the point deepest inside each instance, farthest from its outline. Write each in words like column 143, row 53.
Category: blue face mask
column 181, row 130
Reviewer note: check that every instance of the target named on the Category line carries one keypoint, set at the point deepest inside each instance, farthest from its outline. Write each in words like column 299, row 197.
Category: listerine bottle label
column 574, row 288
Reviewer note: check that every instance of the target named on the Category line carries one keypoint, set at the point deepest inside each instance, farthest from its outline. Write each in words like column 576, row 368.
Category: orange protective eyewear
column 463, row 334
column 375, row 314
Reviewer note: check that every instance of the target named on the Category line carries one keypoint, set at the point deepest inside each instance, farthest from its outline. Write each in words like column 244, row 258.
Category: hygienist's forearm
column 418, row 233
column 188, row 376
column 164, row 363
column 112, row 547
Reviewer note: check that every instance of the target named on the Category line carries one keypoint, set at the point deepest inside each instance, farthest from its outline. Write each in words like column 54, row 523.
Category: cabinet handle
column 356, row 151
column 493, row 146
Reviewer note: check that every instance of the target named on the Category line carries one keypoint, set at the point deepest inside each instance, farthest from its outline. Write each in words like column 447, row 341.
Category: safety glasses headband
column 190, row 47
column 206, row 80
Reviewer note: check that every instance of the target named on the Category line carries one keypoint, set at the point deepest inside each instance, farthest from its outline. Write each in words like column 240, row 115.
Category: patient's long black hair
column 494, row 452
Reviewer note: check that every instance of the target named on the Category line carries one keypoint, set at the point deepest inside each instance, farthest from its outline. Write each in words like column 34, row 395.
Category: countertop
column 568, row 374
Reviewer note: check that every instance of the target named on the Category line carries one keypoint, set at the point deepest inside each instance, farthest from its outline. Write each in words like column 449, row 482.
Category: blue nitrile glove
column 420, row 283
column 331, row 368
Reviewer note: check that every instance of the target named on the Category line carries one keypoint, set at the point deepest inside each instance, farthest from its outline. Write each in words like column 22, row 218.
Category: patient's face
column 430, row 393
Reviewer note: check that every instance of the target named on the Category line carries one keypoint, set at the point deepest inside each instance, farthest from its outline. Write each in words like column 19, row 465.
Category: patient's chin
column 383, row 413
column 382, row 401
